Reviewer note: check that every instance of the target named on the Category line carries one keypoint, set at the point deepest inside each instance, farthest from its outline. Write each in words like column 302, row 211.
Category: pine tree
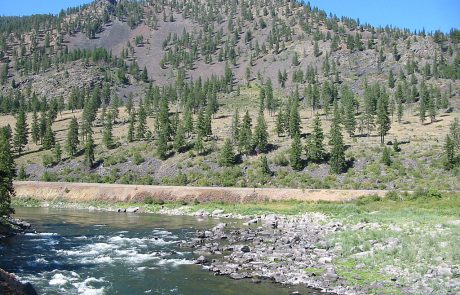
column 400, row 110
column 132, row 122
column 49, row 138
column 270, row 101
column 57, row 152
column 179, row 138
column 337, row 156
column 145, row 75
column 348, row 102
column 107, row 137
column 42, row 126
column 35, row 130
column 129, row 104
column 227, row 155
column 245, row 135
column 89, row 151
column 386, row 156
column 4, row 74
column 294, row 119
column 261, row 99
column 396, row 147
column 316, row 50
column 424, row 97
column 383, row 119
column 280, row 123
column 199, row 146
column 391, row 79
column 315, row 147
column 432, row 109
column 235, row 126
column 201, row 124
column 7, row 173
column 263, row 166
column 72, row 137
column 22, row 175
column 162, row 145
column 208, row 123
column 163, row 121
column 261, row 134
column 450, row 153
column 296, row 153
column 141, row 123
column 20, row 136
column 188, row 122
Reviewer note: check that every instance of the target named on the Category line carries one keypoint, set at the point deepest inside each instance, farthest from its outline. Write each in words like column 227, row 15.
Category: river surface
column 82, row 252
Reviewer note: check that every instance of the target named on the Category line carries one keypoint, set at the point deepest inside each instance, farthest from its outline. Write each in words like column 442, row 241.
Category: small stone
column 236, row 276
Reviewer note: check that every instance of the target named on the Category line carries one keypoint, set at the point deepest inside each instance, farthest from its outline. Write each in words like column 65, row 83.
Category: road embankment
column 84, row 192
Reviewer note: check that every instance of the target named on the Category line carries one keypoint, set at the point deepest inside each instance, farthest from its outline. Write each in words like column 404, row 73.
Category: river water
column 82, row 252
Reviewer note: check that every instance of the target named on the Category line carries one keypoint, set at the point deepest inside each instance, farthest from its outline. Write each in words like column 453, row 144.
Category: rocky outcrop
column 9, row 285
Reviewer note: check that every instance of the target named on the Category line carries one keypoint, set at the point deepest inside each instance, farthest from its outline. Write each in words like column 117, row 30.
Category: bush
column 281, row 159
column 49, row 177
column 137, row 158
column 368, row 199
column 386, row 156
column 47, row 160
column 393, row 196
column 428, row 194
column 114, row 159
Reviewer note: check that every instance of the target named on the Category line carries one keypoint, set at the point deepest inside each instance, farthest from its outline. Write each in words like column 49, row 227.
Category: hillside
column 156, row 84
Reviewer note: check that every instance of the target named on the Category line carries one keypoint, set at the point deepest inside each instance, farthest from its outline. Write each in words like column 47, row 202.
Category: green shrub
column 115, row 159
column 281, row 159
column 47, row 160
column 137, row 158
column 49, row 176
column 368, row 199
column 393, row 196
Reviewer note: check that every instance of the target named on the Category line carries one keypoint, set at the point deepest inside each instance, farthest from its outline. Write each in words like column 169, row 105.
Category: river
column 83, row 252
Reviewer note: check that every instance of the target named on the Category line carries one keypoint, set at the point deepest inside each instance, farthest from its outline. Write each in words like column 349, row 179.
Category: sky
column 412, row 14
column 28, row 7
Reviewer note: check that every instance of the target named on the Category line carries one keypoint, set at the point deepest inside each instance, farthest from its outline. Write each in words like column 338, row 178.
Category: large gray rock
column 132, row 209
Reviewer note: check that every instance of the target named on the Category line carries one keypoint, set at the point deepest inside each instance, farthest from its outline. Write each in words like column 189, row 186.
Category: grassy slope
column 418, row 165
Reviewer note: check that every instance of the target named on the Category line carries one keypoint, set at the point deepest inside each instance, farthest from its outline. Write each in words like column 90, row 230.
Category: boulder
column 245, row 249
column 132, row 209
column 201, row 260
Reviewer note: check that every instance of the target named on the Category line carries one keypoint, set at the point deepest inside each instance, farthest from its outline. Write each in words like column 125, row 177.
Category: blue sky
column 28, row 7
column 412, row 14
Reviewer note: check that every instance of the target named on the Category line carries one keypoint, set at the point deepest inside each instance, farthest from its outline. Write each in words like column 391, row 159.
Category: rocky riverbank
column 277, row 248
column 11, row 226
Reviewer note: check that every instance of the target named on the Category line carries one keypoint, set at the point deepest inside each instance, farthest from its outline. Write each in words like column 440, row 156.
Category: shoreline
column 342, row 248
